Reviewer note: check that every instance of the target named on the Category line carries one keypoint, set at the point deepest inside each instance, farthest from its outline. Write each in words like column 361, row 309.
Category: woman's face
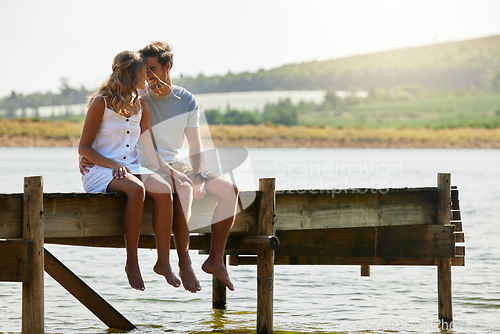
column 141, row 78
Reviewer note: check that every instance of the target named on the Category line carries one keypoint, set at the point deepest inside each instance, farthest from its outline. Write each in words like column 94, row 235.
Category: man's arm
column 197, row 160
column 84, row 165
column 195, row 155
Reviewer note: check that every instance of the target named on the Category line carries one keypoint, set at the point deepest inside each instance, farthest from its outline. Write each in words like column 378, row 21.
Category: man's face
column 154, row 70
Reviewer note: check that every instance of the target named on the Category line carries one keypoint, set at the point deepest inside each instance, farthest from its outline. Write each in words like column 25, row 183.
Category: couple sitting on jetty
column 130, row 142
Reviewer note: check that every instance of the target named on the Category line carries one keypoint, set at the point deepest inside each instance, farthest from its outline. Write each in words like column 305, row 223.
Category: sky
column 44, row 41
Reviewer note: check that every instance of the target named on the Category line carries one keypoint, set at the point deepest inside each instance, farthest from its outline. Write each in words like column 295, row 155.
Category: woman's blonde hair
column 121, row 85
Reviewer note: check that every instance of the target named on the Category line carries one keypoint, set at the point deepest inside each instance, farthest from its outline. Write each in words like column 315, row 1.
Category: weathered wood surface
column 365, row 270
column 456, row 220
column 197, row 242
column 445, row 303
column 219, row 294
column 314, row 209
column 455, row 202
column 459, row 237
column 383, row 241
column 33, row 302
column 265, row 258
column 88, row 297
column 11, row 216
column 458, row 225
column 16, row 260
column 236, row 260
column 87, row 215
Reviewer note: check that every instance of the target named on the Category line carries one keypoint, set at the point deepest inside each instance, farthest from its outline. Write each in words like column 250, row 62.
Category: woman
column 115, row 120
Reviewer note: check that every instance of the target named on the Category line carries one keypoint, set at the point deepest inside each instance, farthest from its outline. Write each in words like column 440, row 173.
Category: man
column 175, row 116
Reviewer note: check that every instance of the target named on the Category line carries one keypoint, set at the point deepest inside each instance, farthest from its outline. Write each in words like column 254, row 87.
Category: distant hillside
column 446, row 66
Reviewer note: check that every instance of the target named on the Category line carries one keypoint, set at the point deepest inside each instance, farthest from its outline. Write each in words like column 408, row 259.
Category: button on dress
column 116, row 139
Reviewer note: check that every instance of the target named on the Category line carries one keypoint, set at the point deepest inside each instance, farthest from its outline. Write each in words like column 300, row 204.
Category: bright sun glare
column 394, row 22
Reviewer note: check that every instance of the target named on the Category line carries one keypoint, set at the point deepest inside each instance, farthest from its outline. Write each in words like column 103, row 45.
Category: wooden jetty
column 407, row 226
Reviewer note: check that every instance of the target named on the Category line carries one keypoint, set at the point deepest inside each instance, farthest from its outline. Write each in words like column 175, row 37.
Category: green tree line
column 287, row 113
column 284, row 112
column 407, row 106
column 447, row 66
column 66, row 96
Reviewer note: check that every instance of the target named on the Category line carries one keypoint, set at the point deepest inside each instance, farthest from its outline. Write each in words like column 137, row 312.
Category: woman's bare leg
column 132, row 221
column 183, row 197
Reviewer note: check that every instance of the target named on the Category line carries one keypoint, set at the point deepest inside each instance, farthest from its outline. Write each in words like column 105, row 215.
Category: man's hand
column 199, row 188
column 84, row 164
column 180, row 178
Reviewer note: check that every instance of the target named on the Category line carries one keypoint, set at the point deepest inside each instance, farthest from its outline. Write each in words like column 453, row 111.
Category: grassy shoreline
column 25, row 133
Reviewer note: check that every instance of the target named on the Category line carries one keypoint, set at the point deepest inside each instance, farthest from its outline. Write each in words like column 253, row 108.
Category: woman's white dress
column 116, row 139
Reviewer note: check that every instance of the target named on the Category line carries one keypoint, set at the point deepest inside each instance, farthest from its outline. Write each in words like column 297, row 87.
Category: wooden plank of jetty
column 196, row 242
column 315, row 209
column 238, row 259
column 382, row 241
column 16, row 260
column 87, row 215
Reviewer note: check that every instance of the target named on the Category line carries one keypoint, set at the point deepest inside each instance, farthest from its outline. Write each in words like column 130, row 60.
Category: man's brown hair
column 161, row 50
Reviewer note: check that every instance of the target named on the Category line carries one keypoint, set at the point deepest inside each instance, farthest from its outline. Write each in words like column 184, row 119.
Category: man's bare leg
column 222, row 222
column 183, row 199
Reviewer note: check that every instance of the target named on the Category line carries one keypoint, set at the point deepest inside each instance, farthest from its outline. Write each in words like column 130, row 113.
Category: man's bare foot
column 218, row 269
column 166, row 270
column 189, row 279
column 134, row 276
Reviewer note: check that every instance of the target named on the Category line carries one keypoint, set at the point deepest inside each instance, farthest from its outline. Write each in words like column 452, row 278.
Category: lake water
column 308, row 299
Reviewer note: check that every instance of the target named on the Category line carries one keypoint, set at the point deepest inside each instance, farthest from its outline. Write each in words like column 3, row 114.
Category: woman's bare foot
column 166, row 270
column 218, row 269
column 189, row 279
column 134, row 276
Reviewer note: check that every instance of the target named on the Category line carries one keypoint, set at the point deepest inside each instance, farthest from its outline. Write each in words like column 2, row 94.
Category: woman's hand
column 118, row 170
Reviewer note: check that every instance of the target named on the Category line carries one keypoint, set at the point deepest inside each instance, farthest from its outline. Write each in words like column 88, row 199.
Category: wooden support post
column 88, row 297
column 265, row 258
column 32, row 304
column 218, row 292
column 445, row 312
column 365, row 270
